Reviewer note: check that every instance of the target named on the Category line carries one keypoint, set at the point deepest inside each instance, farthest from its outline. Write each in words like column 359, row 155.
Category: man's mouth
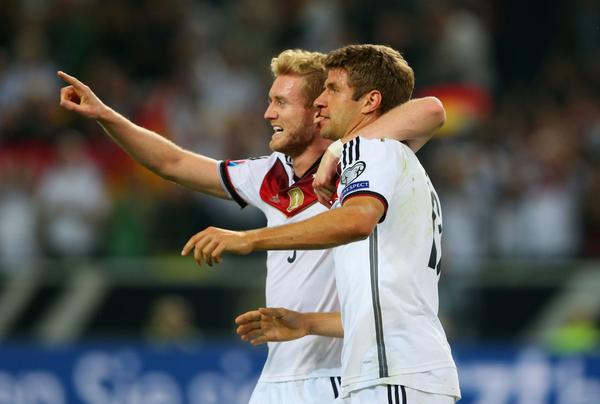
column 277, row 129
column 319, row 119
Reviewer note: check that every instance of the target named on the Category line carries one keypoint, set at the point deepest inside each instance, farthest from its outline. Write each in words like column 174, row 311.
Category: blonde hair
column 309, row 65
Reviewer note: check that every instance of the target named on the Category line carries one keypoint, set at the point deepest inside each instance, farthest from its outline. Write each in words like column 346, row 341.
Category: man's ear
column 371, row 102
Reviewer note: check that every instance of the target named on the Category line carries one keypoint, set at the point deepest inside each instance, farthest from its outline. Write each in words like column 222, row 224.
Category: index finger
column 70, row 79
column 247, row 317
column 189, row 245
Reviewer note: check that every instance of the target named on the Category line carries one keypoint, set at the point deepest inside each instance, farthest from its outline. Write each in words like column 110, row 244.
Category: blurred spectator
column 464, row 206
column 229, row 88
column 70, row 30
column 459, row 49
column 550, row 199
column 520, row 181
column 171, row 323
column 585, row 23
column 591, row 213
column 517, row 165
column 176, row 217
column 28, row 85
column 73, row 200
column 19, row 242
column 579, row 334
column 31, row 73
column 323, row 28
column 129, row 224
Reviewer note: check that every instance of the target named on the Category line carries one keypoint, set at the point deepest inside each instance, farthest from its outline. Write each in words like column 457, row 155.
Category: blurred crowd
column 517, row 165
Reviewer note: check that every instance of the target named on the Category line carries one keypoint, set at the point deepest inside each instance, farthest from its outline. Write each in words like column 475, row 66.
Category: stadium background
column 96, row 306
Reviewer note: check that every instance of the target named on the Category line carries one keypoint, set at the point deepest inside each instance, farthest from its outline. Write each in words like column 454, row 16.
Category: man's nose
column 320, row 101
column 270, row 113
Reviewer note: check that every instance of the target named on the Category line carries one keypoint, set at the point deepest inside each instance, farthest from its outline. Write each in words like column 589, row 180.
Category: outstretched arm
column 413, row 122
column 352, row 222
column 278, row 324
column 148, row 148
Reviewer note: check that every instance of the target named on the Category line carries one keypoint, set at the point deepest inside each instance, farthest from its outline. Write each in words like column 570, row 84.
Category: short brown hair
column 309, row 65
column 375, row 67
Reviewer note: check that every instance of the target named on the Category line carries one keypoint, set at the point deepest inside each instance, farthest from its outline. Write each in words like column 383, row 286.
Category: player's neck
column 354, row 131
column 307, row 158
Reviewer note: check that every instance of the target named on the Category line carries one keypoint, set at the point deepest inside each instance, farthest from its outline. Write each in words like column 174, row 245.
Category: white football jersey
column 387, row 284
column 298, row 280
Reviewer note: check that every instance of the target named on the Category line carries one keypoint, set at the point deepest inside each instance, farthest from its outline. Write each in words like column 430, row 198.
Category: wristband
column 336, row 148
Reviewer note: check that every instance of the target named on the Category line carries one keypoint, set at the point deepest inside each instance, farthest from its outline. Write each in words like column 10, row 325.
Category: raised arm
column 278, row 324
column 148, row 148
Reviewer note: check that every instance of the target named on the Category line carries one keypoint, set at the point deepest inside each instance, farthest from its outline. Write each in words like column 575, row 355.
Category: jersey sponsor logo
column 296, row 199
column 352, row 173
column 354, row 186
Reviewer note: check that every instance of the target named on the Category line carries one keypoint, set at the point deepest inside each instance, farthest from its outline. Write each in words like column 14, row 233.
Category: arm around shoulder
column 415, row 121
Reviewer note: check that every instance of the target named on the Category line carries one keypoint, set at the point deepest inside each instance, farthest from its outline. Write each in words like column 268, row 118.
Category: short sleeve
column 242, row 179
column 370, row 167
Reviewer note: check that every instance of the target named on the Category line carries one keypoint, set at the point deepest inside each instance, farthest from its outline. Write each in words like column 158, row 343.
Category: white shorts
column 394, row 394
column 316, row 390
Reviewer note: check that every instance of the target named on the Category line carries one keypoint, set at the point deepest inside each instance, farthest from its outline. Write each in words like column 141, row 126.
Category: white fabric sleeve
column 370, row 167
column 242, row 179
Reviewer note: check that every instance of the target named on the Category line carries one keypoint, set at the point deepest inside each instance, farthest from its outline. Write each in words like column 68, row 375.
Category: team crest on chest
column 296, row 199
column 288, row 199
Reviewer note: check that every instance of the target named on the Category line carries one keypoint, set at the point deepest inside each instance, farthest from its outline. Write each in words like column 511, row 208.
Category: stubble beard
column 293, row 144
column 329, row 132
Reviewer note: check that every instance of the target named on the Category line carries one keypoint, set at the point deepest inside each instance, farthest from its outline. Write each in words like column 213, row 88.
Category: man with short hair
column 386, row 227
column 280, row 184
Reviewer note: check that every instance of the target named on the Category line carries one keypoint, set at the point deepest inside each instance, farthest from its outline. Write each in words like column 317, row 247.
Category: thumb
column 72, row 106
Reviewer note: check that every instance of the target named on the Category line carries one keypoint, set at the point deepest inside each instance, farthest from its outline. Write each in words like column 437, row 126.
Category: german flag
column 465, row 105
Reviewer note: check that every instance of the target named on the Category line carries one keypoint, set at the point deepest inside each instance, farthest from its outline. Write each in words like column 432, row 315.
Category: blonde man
column 280, row 185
